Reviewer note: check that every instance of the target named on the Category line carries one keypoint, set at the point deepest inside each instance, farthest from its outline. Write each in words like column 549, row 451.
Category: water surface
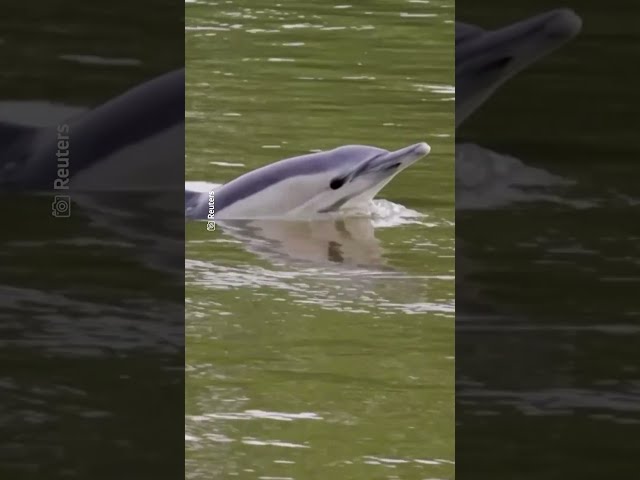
column 321, row 349
column 547, row 311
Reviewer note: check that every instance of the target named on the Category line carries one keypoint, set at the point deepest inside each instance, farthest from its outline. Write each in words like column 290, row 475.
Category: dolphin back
column 137, row 114
column 466, row 32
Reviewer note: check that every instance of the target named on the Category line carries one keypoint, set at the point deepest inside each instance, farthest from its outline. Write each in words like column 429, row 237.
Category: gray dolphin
column 35, row 158
column 487, row 59
column 307, row 185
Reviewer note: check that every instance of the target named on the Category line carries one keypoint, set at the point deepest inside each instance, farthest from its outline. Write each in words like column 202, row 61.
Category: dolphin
column 110, row 147
column 487, row 59
column 344, row 178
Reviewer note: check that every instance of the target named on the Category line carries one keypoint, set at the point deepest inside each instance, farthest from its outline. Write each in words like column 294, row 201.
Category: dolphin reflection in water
column 348, row 241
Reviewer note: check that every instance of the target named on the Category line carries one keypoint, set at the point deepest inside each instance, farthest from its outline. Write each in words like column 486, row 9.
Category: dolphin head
column 486, row 59
column 304, row 186
column 362, row 172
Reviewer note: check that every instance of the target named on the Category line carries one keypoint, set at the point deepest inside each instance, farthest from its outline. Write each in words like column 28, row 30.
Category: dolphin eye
column 336, row 183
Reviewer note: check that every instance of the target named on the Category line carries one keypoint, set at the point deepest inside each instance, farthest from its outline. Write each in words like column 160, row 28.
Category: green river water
column 321, row 351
